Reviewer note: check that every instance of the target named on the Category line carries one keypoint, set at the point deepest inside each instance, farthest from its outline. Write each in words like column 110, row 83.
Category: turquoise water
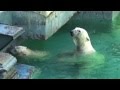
column 105, row 64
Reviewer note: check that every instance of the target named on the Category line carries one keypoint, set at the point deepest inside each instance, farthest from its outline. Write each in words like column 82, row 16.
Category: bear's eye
column 87, row 39
column 79, row 31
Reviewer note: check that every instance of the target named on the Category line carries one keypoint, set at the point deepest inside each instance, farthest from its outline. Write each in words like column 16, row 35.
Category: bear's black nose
column 71, row 33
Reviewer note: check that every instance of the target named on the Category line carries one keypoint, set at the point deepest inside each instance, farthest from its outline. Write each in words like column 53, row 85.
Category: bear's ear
column 87, row 39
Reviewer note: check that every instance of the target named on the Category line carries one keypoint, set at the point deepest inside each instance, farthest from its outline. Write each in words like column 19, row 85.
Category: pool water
column 105, row 38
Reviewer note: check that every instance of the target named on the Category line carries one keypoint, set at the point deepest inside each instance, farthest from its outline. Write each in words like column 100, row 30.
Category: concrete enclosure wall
column 39, row 26
column 42, row 25
column 99, row 16
column 5, row 17
column 56, row 20
column 33, row 23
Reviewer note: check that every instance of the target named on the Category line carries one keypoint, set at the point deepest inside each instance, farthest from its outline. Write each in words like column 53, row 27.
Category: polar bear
column 23, row 51
column 84, row 56
column 82, row 41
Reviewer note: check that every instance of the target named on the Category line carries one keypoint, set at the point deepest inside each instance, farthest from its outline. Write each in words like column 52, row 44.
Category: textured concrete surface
column 37, row 25
column 43, row 24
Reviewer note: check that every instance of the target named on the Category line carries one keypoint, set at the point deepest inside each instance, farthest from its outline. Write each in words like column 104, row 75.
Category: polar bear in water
column 23, row 51
column 82, row 41
column 84, row 55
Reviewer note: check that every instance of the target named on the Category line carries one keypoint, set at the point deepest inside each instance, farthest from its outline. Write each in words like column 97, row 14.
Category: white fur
column 82, row 41
column 24, row 51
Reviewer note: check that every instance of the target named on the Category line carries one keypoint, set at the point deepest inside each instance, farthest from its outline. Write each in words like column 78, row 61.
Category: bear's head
column 81, row 39
column 20, row 50
column 80, row 36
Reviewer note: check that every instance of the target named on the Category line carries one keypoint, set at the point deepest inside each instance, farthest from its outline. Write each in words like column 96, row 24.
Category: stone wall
column 39, row 26
column 5, row 17
column 33, row 23
column 99, row 16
